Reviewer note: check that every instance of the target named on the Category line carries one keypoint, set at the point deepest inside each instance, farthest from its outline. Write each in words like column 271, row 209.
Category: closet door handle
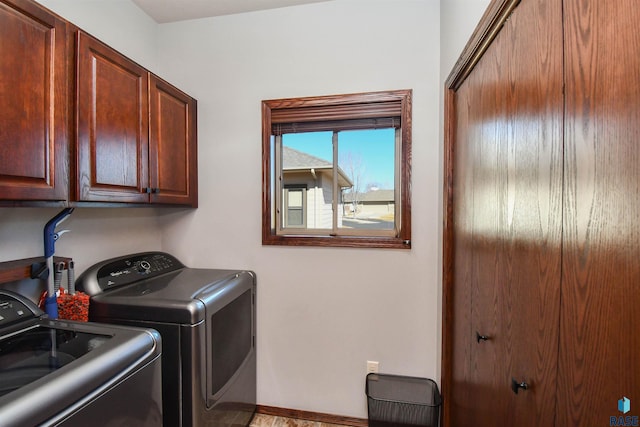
column 481, row 337
column 516, row 386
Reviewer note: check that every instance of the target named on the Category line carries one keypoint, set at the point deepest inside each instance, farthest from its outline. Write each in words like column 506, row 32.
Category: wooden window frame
column 361, row 110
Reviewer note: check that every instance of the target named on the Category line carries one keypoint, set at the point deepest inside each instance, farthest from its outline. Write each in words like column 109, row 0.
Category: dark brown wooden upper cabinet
column 34, row 120
column 112, row 108
column 173, row 168
column 136, row 135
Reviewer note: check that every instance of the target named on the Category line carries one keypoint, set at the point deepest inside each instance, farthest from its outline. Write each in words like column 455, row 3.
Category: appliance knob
column 144, row 266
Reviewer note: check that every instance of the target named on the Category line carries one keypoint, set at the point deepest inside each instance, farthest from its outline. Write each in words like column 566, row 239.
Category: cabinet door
column 506, row 226
column 600, row 342
column 113, row 125
column 173, row 145
column 34, row 152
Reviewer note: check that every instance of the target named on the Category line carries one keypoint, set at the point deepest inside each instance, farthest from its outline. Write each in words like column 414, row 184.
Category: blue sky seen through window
column 372, row 152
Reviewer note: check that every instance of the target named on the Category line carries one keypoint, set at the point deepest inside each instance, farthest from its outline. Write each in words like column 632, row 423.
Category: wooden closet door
column 600, row 340
column 505, row 226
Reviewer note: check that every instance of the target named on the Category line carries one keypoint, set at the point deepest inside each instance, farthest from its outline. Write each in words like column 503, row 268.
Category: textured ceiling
column 179, row 10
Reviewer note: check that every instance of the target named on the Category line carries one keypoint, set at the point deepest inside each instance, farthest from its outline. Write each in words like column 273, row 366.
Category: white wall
column 322, row 312
column 119, row 23
column 458, row 19
column 96, row 234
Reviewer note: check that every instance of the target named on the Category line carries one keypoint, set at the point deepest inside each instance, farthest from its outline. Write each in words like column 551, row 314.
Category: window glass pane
column 367, row 159
column 294, row 218
column 295, row 199
column 294, row 207
column 307, row 161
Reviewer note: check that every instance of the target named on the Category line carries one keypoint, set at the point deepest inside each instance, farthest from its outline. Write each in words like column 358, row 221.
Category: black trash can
column 401, row 401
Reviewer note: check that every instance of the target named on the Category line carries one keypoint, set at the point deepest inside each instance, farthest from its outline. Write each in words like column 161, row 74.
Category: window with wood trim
column 337, row 170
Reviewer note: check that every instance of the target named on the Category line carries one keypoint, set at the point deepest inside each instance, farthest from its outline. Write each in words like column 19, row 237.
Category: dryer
column 206, row 318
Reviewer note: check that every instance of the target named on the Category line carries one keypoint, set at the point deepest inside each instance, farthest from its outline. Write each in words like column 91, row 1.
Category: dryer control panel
column 124, row 270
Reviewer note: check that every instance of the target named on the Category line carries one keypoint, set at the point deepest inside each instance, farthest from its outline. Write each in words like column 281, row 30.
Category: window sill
column 337, row 241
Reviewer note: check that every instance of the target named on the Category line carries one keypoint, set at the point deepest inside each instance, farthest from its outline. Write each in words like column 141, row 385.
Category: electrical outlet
column 372, row 367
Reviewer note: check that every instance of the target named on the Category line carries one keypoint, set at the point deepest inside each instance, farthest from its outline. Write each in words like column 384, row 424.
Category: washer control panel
column 125, row 270
column 15, row 308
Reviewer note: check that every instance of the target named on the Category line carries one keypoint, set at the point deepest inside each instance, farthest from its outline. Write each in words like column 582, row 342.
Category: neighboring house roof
column 298, row 161
column 371, row 196
column 294, row 159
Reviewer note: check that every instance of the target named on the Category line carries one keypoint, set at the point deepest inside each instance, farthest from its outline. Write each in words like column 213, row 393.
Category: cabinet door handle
column 155, row 190
column 481, row 337
column 516, row 386
column 147, row 190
